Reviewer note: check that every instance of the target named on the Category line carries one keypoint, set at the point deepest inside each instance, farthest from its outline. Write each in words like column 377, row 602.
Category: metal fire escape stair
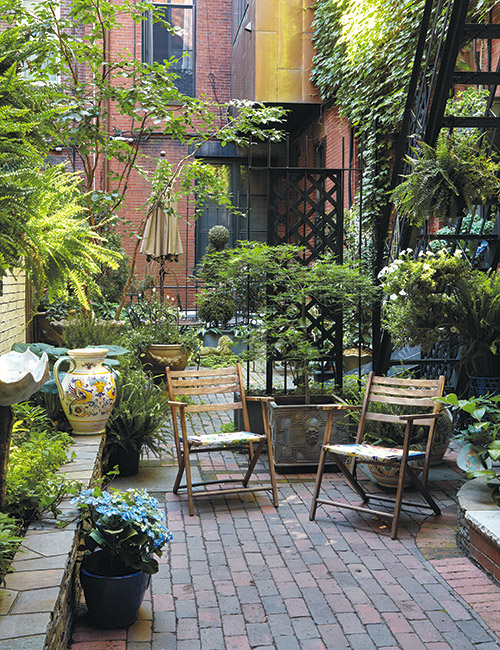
column 443, row 33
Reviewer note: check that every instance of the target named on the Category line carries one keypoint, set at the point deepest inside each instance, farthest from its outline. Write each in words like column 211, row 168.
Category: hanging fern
column 447, row 179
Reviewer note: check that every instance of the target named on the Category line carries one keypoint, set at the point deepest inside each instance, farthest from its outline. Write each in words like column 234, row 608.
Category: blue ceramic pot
column 112, row 601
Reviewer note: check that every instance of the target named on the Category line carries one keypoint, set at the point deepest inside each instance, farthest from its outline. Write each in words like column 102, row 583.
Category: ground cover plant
column 37, row 451
column 33, row 486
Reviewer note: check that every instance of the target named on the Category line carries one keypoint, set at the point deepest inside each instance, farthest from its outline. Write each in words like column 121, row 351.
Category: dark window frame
column 148, row 41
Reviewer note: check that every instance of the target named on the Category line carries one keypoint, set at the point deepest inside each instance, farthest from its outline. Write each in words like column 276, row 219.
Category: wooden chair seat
column 225, row 440
column 222, row 385
column 367, row 453
column 419, row 398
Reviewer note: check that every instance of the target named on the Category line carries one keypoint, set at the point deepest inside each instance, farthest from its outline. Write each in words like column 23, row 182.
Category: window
column 251, row 225
column 159, row 45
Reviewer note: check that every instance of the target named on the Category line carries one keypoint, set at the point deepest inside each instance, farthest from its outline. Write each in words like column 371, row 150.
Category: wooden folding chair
column 408, row 394
column 200, row 385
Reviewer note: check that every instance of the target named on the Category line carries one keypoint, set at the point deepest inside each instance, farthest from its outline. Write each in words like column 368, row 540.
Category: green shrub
column 218, row 238
column 36, row 453
column 9, row 541
column 84, row 330
column 219, row 361
column 216, row 306
column 139, row 413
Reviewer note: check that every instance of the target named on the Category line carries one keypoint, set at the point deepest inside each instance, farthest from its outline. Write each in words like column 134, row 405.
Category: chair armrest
column 258, row 398
column 419, row 416
column 179, row 404
column 339, row 407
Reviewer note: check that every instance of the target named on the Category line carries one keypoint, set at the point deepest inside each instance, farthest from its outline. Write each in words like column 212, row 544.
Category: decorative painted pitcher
column 88, row 390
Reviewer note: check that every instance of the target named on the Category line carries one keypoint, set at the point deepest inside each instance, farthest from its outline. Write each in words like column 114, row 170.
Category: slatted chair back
column 411, row 395
column 200, row 383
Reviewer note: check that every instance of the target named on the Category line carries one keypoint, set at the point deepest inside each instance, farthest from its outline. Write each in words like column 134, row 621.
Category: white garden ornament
column 21, row 375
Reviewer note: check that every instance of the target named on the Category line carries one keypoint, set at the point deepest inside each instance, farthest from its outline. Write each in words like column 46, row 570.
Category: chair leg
column 351, row 476
column 270, row 457
column 189, row 483
column 397, row 501
column 423, row 490
column 272, row 473
column 255, row 453
column 317, row 485
column 178, row 478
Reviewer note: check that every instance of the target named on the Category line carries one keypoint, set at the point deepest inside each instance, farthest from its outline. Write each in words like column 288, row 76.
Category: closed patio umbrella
column 162, row 240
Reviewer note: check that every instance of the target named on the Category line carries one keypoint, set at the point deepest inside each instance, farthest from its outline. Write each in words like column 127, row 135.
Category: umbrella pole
column 162, row 277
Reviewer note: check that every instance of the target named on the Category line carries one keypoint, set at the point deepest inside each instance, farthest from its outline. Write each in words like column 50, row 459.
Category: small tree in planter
column 280, row 286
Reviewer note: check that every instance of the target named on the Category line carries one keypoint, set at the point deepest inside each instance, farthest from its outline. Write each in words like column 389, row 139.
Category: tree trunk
column 6, row 422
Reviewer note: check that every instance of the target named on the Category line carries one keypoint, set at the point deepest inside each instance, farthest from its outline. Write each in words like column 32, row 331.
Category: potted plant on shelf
column 122, row 532
column 157, row 337
column 447, row 179
column 137, row 421
column 440, row 297
column 279, row 286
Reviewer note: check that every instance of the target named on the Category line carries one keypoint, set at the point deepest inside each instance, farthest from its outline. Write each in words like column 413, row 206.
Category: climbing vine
column 364, row 57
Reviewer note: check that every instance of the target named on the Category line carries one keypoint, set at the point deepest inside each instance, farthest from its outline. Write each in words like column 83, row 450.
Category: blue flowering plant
column 122, row 530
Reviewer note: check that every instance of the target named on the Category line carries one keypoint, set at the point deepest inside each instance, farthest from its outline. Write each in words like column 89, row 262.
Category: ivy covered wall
column 364, row 57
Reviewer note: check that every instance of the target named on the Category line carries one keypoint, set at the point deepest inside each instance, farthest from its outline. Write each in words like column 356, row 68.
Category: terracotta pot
column 49, row 331
column 160, row 356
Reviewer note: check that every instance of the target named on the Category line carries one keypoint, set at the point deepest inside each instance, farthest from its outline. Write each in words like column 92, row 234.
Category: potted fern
column 137, row 421
column 448, row 179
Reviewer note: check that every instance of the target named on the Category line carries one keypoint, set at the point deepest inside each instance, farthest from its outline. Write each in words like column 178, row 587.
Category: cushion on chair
column 366, row 452
column 224, row 439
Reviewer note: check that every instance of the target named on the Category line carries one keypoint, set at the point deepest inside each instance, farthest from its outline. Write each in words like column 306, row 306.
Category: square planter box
column 297, row 430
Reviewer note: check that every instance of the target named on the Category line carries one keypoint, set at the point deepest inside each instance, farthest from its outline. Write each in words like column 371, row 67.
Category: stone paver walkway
column 241, row 574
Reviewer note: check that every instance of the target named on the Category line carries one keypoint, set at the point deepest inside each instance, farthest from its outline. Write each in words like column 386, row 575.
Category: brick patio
column 242, row 574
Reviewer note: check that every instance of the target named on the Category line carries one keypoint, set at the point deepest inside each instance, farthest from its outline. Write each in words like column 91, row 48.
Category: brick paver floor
column 241, row 574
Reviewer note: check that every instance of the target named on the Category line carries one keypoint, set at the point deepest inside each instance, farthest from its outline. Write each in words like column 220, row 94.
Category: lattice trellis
column 306, row 209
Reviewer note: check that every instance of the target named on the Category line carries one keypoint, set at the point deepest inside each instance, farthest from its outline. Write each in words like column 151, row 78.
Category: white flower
column 402, row 292
column 393, row 296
